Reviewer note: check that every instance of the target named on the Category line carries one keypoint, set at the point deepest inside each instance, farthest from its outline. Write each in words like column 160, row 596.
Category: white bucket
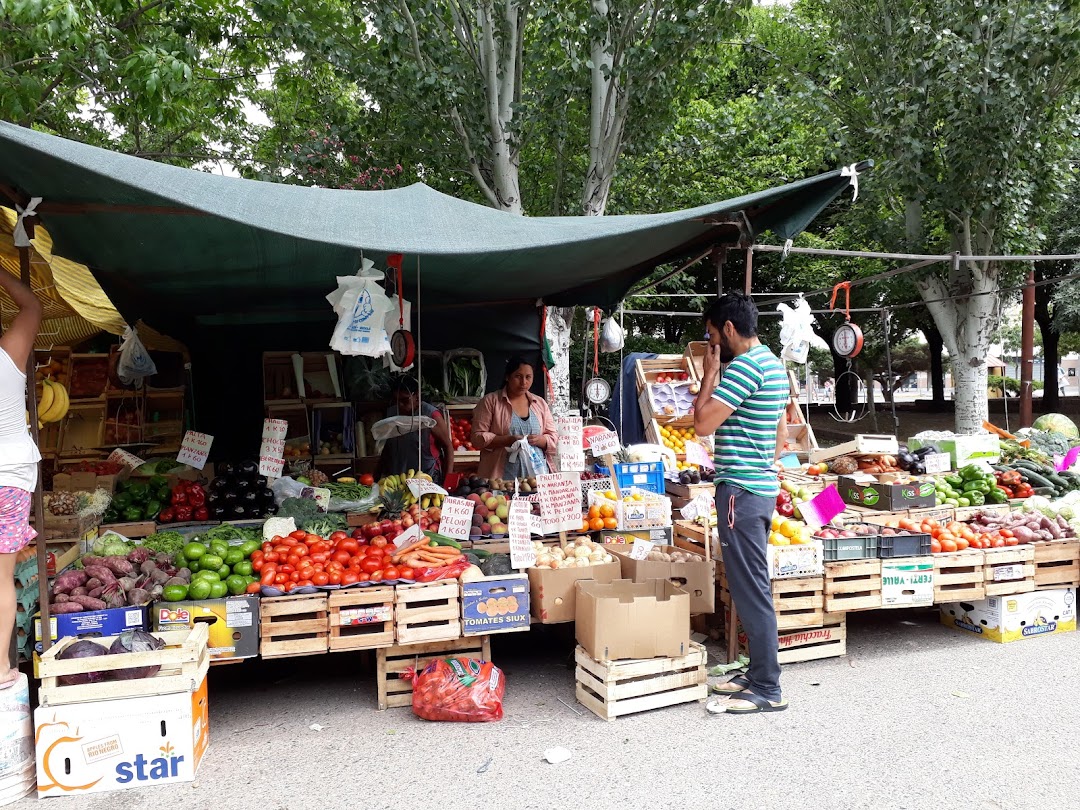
column 17, row 771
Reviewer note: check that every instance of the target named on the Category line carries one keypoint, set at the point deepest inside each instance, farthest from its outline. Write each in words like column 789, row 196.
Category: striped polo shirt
column 756, row 387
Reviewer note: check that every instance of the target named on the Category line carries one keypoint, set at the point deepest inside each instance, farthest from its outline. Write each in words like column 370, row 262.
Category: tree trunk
column 935, row 344
column 1050, row 340
column 608, row 107
column 559, row 322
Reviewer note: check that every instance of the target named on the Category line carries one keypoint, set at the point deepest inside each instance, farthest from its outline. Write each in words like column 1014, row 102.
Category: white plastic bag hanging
column 393, row 426
column 134, row 363
column 530, row 459
column 797, row 332
column 362, row 308
column 612, row 338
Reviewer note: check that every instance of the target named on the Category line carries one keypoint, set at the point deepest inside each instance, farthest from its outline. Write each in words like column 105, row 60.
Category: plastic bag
column 612, row 338
column 393, row 426
column 340, row 505
column 797, row 332
column 134, row 363
column 362, row 308
column 462, row 690
column 530, row 459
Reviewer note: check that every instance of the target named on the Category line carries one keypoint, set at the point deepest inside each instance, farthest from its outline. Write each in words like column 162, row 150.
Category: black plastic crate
column 850, row 548
column 915, row 544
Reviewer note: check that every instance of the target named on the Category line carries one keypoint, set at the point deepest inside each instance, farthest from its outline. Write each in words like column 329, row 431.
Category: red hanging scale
column 402, row 344
column 847, row 340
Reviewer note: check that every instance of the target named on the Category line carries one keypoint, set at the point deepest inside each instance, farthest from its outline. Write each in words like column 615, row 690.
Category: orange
column 596, row 524
column 594, row 511
column 611, row 523
column 584, row 525
column 935, row 547
column 607, row 511
column 961, row 544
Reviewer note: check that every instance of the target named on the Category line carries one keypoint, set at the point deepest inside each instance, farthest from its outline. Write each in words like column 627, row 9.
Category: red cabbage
column 135, row 641
column 84, row 648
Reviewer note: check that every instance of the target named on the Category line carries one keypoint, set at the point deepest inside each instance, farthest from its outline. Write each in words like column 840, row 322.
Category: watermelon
column 1057, row 423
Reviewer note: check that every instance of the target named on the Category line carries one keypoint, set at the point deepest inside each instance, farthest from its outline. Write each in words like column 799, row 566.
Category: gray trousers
column 743, row 522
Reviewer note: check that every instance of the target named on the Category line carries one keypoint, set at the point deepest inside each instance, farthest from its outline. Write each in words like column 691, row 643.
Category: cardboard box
column 614, row 537
column 107, row 745
column 1010, row 618
column 965, row 449
column 624, row 619
column 495, row 605
column 552, row 596
column 94, row 623
column 802, row 560
column 233, row 621
column 88, row 481
column 697, row 578
column 872, row 492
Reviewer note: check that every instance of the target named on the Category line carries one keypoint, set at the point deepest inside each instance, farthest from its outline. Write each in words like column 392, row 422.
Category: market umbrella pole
column 39, row 504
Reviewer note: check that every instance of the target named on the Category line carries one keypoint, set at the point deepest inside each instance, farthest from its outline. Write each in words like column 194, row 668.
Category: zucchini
column 1057, row 481
column 1046, row 492
column 1036, row 480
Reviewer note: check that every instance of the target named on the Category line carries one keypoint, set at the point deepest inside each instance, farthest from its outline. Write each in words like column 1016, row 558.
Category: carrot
column 401, row 552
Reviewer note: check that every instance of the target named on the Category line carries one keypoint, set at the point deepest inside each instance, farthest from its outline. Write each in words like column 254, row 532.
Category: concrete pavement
column 916, row 716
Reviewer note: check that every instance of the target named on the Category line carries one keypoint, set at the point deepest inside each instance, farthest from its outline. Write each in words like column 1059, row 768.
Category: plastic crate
column 850, row 548
column 904, row 545
column 647, row 475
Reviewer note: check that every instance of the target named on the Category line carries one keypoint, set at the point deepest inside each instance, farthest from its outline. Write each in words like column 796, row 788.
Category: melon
column 1057, row 423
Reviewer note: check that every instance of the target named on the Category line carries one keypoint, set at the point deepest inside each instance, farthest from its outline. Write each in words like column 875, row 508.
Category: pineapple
column 63, row 503
column 393, row 502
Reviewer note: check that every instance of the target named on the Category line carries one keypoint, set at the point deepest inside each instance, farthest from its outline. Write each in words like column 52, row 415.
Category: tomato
column 301, row 550
column 287, row 568
column 280, row 578
column 1010, row 540
column 367, row 479
column 282, row 549
column 288, row 586
column 267, row 578
column 320, row 558
column 935, row 547
column 348, row 544
column 999, row 543
column 391, row 572
column 257, row 554
column 1005, row 532
column 268, row 546
column 350, row 578
column 313, row 537
column 291, row 541
column 377, row 576
column 298, row 535
column 376, row 552
column 335, row 578
column 340, row 556
column 253, row 588
column 294, row 576
column 271, row 557
column 961, row 544
column 337, row 537
column 379, row 541
column 320, row 578
column 370, row 565
column 404, row 572
column 293, row 560
column 948, row 545
column 256, row 566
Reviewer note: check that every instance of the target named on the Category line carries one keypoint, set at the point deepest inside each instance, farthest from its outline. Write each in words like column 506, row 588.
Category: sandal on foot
column 753, row 703
column 737, row 685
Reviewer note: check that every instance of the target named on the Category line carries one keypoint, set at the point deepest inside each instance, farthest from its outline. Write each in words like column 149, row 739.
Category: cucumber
column 1046, row 492
column 1036, row 480
column 1027, row 464
column 1057, row 481
column 1072, row 478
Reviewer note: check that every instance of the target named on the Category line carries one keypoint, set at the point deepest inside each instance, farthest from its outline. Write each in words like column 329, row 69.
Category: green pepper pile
column 138, row 500
column 970, row 486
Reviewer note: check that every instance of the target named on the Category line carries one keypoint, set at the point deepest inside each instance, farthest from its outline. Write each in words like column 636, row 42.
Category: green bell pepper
column 971, row 473
column 976, row 486
column 133, row 514
column 954, row 480
column 996, row 496
column 976, row 498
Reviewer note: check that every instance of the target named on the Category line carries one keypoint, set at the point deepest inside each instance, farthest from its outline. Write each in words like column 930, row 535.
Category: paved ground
column 916, row 716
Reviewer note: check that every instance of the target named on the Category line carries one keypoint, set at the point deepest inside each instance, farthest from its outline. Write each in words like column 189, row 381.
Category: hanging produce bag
column 462, row 690
column 135, row 363
column 362, row 309
column 393, row 426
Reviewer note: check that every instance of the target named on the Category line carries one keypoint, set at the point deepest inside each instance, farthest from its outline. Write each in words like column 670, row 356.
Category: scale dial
column 402, row 348
column 597, row 390
column 847, row 340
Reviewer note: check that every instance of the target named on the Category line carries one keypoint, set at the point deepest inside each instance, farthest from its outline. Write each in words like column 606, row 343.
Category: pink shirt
column 491, row 418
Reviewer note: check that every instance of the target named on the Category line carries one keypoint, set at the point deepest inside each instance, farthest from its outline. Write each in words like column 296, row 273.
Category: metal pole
column 1027, row 347
column 886, row 316
column 748, row 283
column 39, row 504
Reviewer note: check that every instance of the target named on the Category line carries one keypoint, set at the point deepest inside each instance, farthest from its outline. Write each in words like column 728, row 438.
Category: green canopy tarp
column 185, row 249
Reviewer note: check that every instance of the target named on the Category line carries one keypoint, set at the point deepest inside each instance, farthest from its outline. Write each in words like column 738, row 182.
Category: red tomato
column 293, row 560
column 257, row 554
column 337, row 537
column 283, row 549
column 350, row 578
column 298, row 535
column 288, row 586
column 377, row 576
column 268, row 577
column 256, row 565
column 348, row 544
column 294, row 576
column 320, row 558
column 301, row 550
column 375, row 552
column 404, row 572
column 313, row 537
column 370, row 565
column 287, row 568
column 271, row 557
column 320, row 578
column 341, row 557
column 254, row 587
column 268, row 546
column 391, row 572
column 291, row 541
column 280, row 578
column 335, row 578
column 304, row 583
column 362, row 577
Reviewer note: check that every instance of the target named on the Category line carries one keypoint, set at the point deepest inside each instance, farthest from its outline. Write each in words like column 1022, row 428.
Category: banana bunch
column 54, row 403
column 398, row 486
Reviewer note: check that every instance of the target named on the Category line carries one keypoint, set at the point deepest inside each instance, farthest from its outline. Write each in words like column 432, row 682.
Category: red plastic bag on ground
column 463, row 690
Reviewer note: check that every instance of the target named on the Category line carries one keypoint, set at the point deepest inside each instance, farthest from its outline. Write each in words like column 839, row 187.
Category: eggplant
column 243, row 485
column 225, row 469
column 238, row 511
column 229, row 496
column 250, row 497
column 213, row 499
column 218, row 512
column 219, row 484
column 260, row 481
column 248, row 468
column 270, row 509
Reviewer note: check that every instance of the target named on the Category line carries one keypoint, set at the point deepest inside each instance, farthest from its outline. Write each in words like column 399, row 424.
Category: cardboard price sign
column 696, row 454
column 420, row 487
column 641, row 548
column 560, row 501
column 522, row 554
column 604, row 444
column 700, row 507
column 456, row 521
column 408, row 537
column 119, row 456
column 571, row 450
column 272, row 447
column 195, row 449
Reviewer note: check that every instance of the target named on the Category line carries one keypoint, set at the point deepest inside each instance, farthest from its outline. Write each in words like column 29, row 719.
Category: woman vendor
column 504, row 417
column 429, row 450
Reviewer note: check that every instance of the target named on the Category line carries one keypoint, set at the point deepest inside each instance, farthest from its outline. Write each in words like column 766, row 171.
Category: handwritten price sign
column 419, row 487
column 195, row 449
column 272, row 448
column 522, row 554
column 456, row 519
column 571, row 452
column 560, row 501
column 696, row 454
column 604, row 444
column 119, row 456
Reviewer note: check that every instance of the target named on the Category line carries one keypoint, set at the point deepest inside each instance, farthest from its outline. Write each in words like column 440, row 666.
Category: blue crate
column 647, row 475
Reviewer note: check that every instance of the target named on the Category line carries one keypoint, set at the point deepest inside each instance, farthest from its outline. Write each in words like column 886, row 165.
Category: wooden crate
column 428, row 611
column 695, row 357
column 294, row 625
column 1057, row 564
column 861, row 445
column 799, row 602
column 1009, row 570
column 184, row 662
column 394, row 692
column 809, row 643
column 361, row 619
column 611, row 689
column 142, row 528
column 647, row 370
column 959, row 576
column 852, row 585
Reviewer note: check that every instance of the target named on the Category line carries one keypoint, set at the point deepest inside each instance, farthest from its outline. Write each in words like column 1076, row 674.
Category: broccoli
column 298, row 508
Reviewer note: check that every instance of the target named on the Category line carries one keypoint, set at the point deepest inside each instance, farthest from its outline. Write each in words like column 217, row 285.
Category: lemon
column 777, row 522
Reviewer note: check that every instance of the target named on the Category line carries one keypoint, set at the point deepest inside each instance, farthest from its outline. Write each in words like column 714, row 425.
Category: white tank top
column 18, row 453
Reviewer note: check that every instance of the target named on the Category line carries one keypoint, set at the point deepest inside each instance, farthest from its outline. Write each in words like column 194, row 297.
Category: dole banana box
column 1010, row 618
column 233, row 622
column 105, row 745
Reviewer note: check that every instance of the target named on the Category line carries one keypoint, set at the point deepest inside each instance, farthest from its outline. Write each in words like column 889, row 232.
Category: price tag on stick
column 195, row 449
column 641, row 548
column 456, row 522
column 604, row 444
column 119, row 456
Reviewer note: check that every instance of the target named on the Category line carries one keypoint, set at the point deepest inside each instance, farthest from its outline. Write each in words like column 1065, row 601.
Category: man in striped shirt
column 746, row 411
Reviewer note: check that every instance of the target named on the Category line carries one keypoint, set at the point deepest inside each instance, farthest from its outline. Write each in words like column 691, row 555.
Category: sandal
column 737, row 685
column 753, row 703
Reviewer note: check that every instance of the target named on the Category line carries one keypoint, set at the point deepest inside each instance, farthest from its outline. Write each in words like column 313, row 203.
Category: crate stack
column 117, row 734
